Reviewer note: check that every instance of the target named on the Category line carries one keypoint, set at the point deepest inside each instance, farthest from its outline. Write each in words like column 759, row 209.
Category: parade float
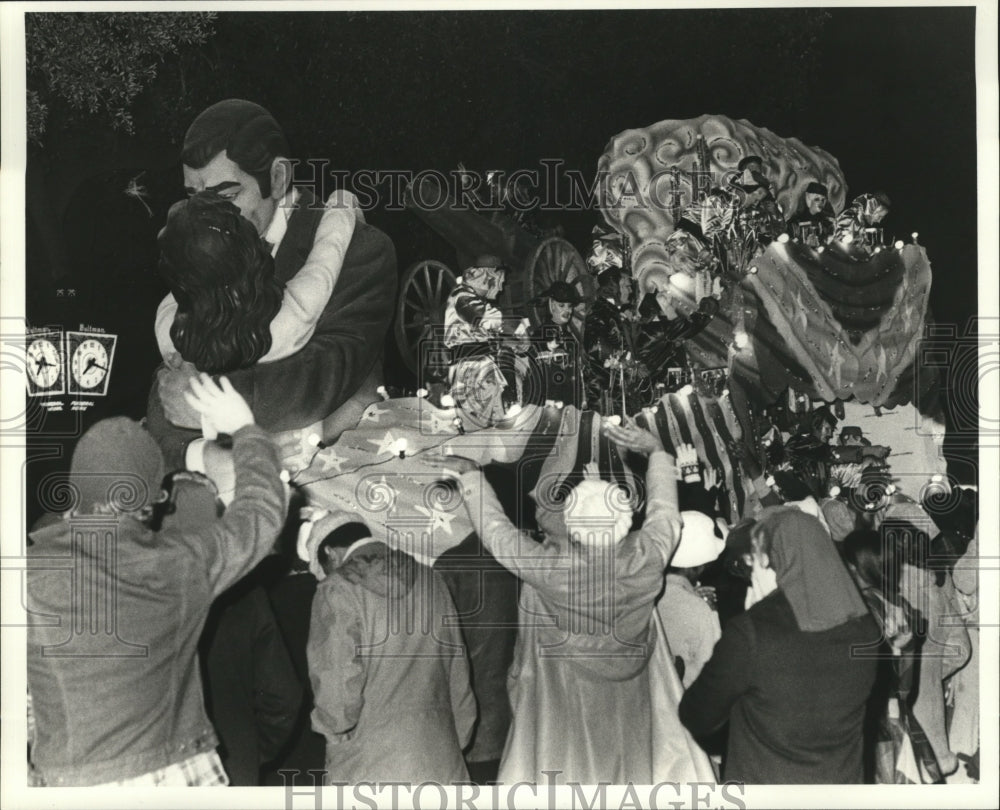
column 797, row 324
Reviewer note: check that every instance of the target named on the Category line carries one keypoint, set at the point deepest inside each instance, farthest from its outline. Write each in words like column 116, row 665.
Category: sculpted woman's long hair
column 222, row 275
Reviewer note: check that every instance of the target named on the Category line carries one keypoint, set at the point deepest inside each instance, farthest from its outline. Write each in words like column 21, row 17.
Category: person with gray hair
column 592, row 687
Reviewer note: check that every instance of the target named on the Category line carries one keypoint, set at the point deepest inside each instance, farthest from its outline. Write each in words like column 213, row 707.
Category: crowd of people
column 211, row 629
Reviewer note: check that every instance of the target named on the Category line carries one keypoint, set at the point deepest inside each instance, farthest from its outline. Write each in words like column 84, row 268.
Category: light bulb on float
column 401, row 446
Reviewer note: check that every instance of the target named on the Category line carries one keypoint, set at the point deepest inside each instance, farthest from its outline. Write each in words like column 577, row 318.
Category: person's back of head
column 222, row 275
column 247, row 133
column 117, row 469
column 876, row 562
column 332, row 548
column 597, row 513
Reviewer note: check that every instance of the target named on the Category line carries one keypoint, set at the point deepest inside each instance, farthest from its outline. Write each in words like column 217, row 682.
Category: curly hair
column 222, row 275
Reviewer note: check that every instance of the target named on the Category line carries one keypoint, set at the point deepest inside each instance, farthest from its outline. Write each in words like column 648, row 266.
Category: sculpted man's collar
column 279, row 222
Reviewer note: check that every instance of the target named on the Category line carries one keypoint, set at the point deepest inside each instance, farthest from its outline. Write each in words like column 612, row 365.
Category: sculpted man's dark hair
column 246, row 132
column 222, row 275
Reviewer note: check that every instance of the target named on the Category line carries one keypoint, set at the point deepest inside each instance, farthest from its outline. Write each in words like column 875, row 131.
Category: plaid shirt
column 201, row 770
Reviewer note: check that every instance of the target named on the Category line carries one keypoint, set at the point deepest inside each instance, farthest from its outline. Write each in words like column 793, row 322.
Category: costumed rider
column 858, row 228
column 812, row 224
column 482, row 369
column 760, row 215
column 810, row 455
column 556, row 349
column 604, row 332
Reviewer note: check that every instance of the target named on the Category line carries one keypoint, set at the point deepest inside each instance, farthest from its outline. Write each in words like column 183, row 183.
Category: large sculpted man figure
column 330, row 365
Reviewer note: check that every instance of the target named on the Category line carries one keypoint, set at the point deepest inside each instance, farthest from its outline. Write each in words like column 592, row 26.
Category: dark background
column 889, row 92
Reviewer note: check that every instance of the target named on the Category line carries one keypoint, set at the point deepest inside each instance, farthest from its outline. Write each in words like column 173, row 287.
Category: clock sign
column 90, row 357
column 44, row 359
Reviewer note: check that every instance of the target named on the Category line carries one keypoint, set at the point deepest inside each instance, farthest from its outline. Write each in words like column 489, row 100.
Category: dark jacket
column 795, row 701
column 291, row 599
column 115, row 613
column 252, row 690
column 339, row 364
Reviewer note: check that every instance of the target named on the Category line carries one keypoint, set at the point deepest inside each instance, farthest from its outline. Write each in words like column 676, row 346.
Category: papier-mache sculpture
column 647, row 176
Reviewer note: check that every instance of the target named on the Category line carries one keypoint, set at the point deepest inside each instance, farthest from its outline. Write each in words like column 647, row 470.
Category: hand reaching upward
column 221, row 406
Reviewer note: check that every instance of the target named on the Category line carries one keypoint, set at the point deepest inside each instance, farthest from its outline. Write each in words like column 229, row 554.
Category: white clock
column 90, row 359
column 44, row 366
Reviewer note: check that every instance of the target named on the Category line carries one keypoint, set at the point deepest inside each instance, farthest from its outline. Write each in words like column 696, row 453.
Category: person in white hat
column 688, row 615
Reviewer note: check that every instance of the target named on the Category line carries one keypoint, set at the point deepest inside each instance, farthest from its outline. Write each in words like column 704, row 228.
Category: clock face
column 90, row 363
column 44, row 364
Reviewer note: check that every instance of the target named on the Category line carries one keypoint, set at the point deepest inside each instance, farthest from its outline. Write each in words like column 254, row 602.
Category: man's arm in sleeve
column 308, row 291
column 463, row 700
column 514, row 549
column 663, row 518
column 336, row 669
column 311, row 384
column 253, row 521
column 165, row 313
column 707, row 702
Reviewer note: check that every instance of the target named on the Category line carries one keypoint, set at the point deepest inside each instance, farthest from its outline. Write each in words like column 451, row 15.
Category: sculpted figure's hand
column 174, row 382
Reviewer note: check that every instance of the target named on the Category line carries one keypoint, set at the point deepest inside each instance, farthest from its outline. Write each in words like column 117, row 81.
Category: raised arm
column 232, row 546
column 663, row 517
column 314, row 382
column 308, row 291
column 514, row 549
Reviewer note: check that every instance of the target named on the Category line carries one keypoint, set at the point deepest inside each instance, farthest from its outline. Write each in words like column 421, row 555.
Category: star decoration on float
column 387, row 444
column 438, row 517
column 330, row 460
column 433, row 421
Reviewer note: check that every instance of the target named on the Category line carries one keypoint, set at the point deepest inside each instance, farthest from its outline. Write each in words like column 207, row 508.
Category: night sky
column 889, row 92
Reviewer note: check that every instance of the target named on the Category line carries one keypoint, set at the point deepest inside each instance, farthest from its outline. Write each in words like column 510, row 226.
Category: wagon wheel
column 555, row 259
column 423, row 293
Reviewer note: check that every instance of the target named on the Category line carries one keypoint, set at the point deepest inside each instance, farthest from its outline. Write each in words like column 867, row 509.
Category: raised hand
column 687, row 463
column 453, row 467
column 173, row 381
column 710, row 476
column 632, row 437
column 707, row 592
column 221, row 406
